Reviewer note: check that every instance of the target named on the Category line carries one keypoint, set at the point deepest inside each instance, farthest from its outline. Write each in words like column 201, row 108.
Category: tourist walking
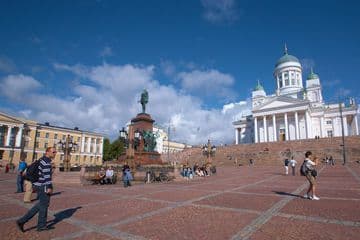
column 311, row 162
column 127, row 177
column 293, row 163
column 20, row 177
column 44, row 189
column 286, row 164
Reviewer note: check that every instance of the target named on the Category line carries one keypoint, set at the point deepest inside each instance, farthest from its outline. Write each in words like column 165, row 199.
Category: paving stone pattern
column 248, row 202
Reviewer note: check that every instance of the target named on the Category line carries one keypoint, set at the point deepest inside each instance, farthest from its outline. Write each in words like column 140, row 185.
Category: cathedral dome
column 287, row 58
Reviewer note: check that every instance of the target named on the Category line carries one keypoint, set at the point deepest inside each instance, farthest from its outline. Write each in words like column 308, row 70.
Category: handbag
column 314, row 173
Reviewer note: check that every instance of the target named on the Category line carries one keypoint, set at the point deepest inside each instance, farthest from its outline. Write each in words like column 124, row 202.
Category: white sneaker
column 315, row 198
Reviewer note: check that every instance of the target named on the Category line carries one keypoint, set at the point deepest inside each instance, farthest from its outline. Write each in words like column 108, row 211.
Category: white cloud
column 17, row 86
column 111, row 100
column 219, row 11
column 209, row 83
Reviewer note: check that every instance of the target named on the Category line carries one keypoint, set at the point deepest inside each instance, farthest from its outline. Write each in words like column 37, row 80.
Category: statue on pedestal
column 144, row 100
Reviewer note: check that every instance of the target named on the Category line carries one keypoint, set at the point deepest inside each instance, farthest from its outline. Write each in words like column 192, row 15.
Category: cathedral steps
column 274, row 153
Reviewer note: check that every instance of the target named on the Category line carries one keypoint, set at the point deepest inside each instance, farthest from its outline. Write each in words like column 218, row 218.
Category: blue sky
column 85, row 63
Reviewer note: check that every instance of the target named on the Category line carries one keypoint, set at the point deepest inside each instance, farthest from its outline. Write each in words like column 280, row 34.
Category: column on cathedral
column 297, row 132
column 307, row 120
column 322, row 127
column 236, row 136
column 274, row 127
column 265, row 129
column 255, row 130
column 286, row 127
column 356, row 125
column 346, row 132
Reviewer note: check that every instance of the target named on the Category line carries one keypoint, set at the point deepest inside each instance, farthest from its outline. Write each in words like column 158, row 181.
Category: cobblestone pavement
column 238, row 203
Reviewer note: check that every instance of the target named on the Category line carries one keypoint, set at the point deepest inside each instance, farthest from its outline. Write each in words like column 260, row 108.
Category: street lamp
column 130, row 143
column 209, row 151
column 67, row 147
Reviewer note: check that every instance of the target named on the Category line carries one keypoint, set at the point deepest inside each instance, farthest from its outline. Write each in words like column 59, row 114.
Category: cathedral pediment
column 280, row 102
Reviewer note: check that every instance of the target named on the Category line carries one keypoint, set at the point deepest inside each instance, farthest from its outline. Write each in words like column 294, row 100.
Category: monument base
column 146, row 158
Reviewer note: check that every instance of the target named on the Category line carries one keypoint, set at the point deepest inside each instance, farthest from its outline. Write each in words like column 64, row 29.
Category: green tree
column 117, row 148
column 107, row 150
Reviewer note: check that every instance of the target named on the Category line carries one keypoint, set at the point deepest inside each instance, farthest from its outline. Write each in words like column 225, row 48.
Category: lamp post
column 208, row 150
column 342, row 134
column 67, row 147
column 131, row 141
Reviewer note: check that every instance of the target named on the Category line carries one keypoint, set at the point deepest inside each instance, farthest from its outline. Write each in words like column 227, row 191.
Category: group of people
column 200, row 171
column 329, row 160
column 105, row 177
column 292, row 162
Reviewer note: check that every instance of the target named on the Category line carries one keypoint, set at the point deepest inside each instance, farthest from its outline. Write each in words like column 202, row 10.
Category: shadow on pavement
column 287, row 194
column 63, row 215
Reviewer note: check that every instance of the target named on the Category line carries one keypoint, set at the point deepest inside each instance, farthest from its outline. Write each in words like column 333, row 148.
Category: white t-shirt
column 293, row 162
column 309, row 164
column 109, row 173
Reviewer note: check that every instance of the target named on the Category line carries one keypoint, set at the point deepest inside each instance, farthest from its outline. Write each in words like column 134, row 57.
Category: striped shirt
column 45, row 172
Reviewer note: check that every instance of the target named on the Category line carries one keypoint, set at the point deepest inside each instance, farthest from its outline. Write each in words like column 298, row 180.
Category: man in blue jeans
column 20, row 177
column 44, row 189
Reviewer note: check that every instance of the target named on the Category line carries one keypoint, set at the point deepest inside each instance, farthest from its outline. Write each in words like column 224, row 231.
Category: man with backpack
column 43, row 187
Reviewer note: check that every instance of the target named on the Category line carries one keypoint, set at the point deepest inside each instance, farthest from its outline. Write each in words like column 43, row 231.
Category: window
column 329, row 122
column 37, row 134
column 45, row 145
column 47, row 135
column 292, row 81
column 330, row 133
column 55, row 136
column 286, row 82
column 1, row 154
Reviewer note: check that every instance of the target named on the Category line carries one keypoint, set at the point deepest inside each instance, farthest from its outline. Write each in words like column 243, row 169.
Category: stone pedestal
column 142, row 122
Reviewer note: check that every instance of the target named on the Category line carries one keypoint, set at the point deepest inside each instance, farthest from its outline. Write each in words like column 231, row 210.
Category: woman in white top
column 310, row 166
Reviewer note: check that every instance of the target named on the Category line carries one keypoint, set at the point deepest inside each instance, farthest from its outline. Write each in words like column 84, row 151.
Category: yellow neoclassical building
column 27, row 138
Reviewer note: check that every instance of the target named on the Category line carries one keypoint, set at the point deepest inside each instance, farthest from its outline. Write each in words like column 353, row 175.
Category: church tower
column 313, row 88
column 258, row 95
column 288, row 76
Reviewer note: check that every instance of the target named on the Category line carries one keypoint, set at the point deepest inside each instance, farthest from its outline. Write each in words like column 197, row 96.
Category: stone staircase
column 274, row 153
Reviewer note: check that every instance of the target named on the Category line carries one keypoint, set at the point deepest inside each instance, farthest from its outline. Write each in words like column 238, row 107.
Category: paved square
column 238, row 203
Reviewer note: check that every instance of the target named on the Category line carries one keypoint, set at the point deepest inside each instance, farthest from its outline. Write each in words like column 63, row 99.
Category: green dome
column 312, row 75
column 287, row 58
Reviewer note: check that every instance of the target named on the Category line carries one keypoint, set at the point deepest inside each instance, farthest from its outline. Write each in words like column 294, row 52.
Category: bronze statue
column 144, row 100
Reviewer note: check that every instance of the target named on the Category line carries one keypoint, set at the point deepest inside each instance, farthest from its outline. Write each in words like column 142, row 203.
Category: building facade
column 29, row 139
column 294, row 111
column 163, row 145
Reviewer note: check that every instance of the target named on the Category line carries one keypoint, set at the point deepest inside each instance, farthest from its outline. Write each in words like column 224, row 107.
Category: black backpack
column 32, row 171
column 303, row 169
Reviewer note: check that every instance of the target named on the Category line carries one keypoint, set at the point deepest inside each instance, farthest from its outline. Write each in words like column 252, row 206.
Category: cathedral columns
column 255, row 130
column 236, row 136
column 274, row 127
column 297, row 133
column 356, row 126
column 322, row 128
column 307, row 120
column 265, row 130
column 346, row 132
column 286, row 127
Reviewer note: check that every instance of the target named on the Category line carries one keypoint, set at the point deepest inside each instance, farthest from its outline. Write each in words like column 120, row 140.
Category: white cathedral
column 294, row 112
